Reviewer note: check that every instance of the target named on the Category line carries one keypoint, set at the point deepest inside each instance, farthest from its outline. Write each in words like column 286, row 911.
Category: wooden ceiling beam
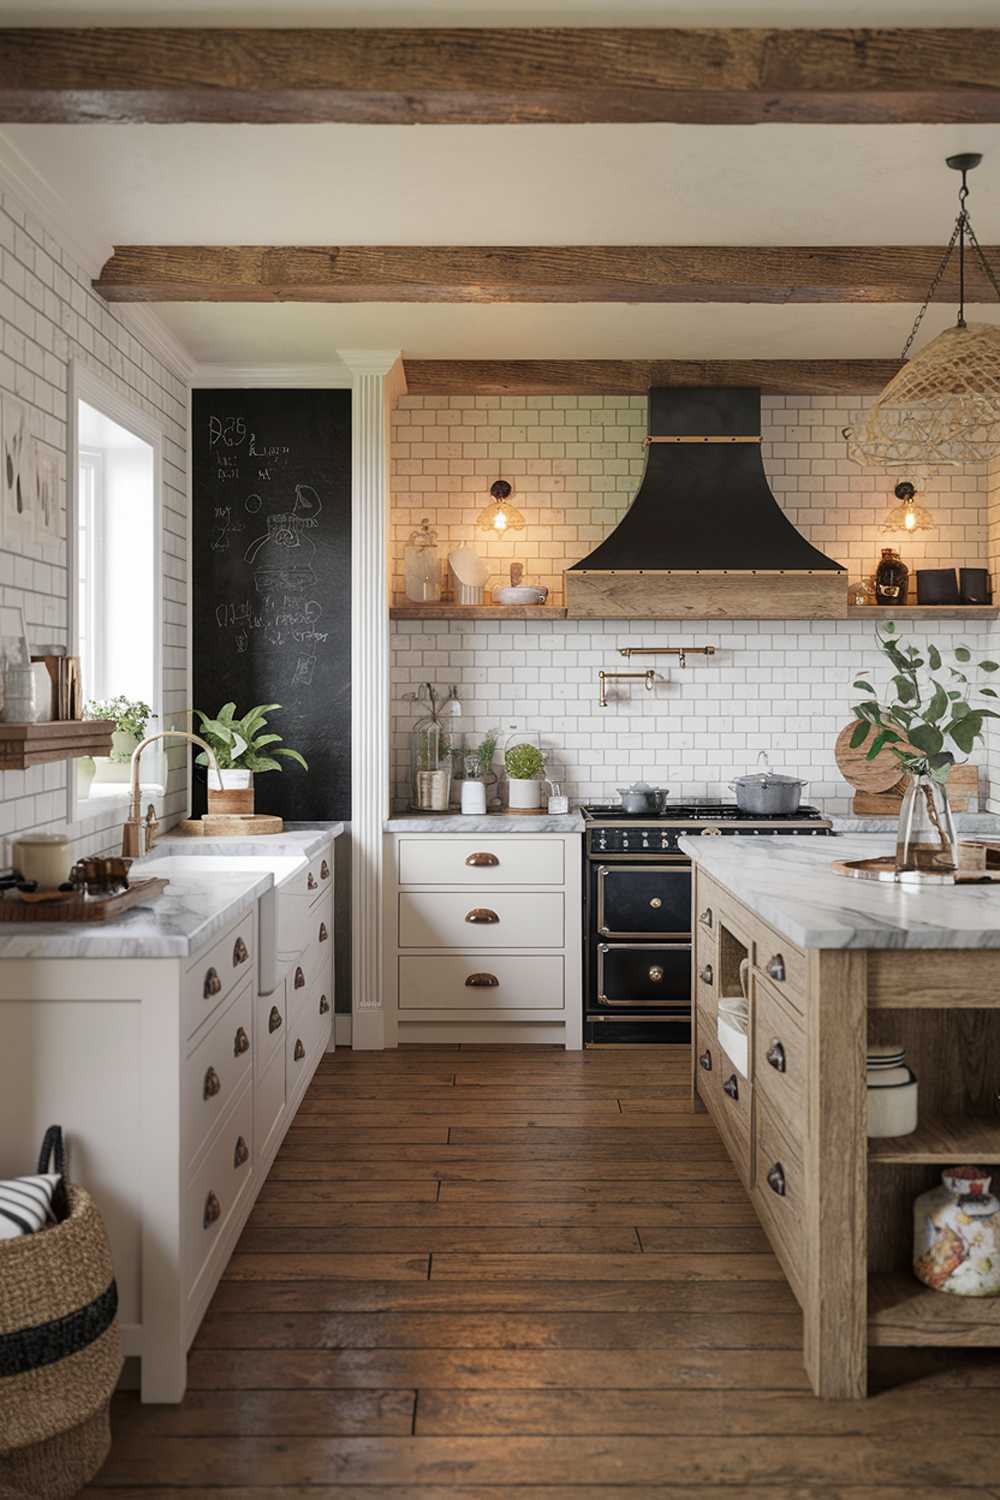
column 553, row 274
column 634, row 377
column 499, row 76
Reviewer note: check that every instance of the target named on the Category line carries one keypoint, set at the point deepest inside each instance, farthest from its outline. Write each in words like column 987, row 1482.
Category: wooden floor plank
column 551, row 1239
column 719, row 1267
column 286, row 1209
column 350, row 1267
column 615, row 1491
column 343, row 1413
column 665, row 1188
column 313, row 1164
column 534, row 1146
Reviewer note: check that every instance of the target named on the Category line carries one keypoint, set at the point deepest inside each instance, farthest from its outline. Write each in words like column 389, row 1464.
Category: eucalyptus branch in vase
column 930, row 714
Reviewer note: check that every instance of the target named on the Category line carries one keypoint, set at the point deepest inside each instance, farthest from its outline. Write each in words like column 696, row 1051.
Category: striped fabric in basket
column 26, row 1204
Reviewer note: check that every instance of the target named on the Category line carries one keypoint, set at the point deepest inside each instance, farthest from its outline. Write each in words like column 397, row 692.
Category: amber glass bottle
column 891, row 579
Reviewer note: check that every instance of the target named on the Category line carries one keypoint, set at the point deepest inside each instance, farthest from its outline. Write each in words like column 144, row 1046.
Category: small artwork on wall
column 47, row 516
column 17, row 479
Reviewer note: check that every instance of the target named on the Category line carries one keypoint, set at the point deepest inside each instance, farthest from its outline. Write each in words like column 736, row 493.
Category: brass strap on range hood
column 718, row 439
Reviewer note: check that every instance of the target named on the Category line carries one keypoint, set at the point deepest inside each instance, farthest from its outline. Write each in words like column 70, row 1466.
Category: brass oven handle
column 213, row 984
column 241, row 1042
column 324, row 1006
column 775, row 1055
column 241, row 1152
column 482, row 861
column 323, row 934
column 300, row 978
column 312, row 884
column 776, row 1179
column 212, row 1084
column 656, row 973
column 481, row 914
column 324, row 871
column 213, row 1209
column 732, row 1087
column 705, row 974
column 705, row 1061
column 274, row 1020
column 706, row 917
column 240, row 954
column 482, row 982
column 299, row 1051
column 775, row 967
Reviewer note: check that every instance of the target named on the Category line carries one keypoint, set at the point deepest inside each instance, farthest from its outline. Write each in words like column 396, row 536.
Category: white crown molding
column 150, row 329
column 315, row 377
column 369, row 361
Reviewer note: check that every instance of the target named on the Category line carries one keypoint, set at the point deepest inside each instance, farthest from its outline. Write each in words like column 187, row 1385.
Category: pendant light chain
column 963, row 227
column 935, row 283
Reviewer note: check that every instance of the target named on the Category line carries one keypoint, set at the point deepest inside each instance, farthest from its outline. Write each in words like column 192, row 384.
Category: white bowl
column 522, row 593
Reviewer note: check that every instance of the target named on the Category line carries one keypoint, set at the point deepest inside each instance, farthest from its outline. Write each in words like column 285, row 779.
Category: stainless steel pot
column 768, row 794
column 642, row 798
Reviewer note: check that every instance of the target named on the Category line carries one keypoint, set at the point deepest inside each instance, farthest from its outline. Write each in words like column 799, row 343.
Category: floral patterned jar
column 956, row 1234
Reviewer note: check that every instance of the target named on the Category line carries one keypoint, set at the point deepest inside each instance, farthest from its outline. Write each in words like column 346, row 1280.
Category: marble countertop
column 965, row 822
column 571, row 822
column 789, row 883
column 305, row 839
column 192, row 911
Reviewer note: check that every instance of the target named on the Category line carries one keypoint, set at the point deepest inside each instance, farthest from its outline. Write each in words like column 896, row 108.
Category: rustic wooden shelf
column 924, row 612
column 943, row 1139
column 24, row 745
column 477, row 612
column 902, row 1311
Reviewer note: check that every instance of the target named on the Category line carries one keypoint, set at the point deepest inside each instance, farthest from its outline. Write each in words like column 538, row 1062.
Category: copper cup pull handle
column 324, row 871
column 312, row 884
column 705, row 1061
column 241, row 1152
column 732, row 1087
column 274, row 1020
column 705, row 974
column 775, row 967
column 482, row 861
column 775, row 1055
column 300, row 978
column 213, row 1210
column 481, row 914
column 776, row 1179
column 240, row 954
column 213, row 984
column 299, row 1051
column 241, row 1042
column 323, row 934
column 212, row 1084
column 706, row 917
column 324, row 1006
column 482, row 982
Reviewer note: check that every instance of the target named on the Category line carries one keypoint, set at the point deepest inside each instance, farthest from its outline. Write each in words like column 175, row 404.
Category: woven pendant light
column 944, row 405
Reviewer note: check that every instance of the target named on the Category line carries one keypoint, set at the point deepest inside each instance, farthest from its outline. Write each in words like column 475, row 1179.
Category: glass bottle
column 422, row 568
column 891, row 579
column 431, row 769
column 926, row 840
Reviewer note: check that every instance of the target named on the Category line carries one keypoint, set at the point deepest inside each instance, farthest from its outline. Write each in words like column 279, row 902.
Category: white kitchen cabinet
column 175, row 1079
column 483, row 937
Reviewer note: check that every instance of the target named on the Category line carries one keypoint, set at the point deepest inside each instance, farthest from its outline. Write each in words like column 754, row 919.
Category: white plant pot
column 122, row 745
column 236, row 780
column 525, row 795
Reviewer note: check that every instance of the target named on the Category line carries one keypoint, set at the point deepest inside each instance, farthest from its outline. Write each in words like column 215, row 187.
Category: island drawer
column 512, row 860
column 489, row 982
column 211, row 977
column 779, row 1058
column 463, row 919
column 216, row 1069
column 784, row 965
column 779, row 1194
column 731, row 1109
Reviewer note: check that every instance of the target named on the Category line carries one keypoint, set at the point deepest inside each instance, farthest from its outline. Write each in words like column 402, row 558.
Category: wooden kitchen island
column 835, row 964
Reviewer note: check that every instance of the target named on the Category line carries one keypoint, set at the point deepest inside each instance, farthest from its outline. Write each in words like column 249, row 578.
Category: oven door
column 644, row 901
column 634, row 976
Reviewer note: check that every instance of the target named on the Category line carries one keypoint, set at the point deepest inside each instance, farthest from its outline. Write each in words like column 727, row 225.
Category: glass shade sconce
column 907, row 516
column 500, row 516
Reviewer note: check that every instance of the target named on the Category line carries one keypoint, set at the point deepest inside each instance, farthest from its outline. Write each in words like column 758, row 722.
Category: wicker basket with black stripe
column 60, row 1350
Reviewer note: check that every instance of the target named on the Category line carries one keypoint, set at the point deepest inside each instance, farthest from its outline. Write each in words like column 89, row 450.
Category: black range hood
column 704, row 535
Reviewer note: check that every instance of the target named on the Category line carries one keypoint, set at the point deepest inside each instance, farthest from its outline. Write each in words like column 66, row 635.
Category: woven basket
column 60, row 1351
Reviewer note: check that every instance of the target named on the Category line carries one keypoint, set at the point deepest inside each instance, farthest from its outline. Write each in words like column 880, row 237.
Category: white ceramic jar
column 45, row 858
column 892, row 1093
column 956, row 1234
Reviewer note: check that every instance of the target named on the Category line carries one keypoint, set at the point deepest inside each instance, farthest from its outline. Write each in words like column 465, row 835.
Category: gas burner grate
column 692, row 812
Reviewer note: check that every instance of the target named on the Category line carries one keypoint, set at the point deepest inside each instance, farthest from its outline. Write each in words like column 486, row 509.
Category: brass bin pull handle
column 241, row 1042
column 705, row 1061
column 324, row 871
column 212, row 1084
column 482, row 982
column 240, row 954
column 241, row 1152
column 776, row 1179
column 213, row 1210
column 323, row 934
column 481, row 914
column 705, row 974
column 732, row 1087
column 482, row 860
column 274, row 1020
column 324, row 1006
column 312, row 884
column 706, row 917
column 775, row 1055
column 299, row 1051
column 213, row 984
column 775, row 967
column 300, row 978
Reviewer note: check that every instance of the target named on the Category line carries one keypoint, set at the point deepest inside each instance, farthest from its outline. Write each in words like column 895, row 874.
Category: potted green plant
column 525, row 767
column 131, row 717
column 933, row 704
column 242, row 747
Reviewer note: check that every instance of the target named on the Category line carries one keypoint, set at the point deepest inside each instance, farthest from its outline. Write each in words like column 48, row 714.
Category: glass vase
column 926, row 841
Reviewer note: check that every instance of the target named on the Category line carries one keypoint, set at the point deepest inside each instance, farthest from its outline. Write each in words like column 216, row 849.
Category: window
column 115, row 580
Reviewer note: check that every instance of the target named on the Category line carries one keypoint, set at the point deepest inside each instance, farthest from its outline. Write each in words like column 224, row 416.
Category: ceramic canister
column 892, row 1093
column 44, row 858
column 956, row 1234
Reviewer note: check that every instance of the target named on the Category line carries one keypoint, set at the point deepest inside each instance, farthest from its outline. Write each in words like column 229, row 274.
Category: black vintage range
column 637, row 913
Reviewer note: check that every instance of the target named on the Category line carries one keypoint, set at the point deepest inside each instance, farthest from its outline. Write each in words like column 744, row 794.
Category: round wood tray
column 884, row 869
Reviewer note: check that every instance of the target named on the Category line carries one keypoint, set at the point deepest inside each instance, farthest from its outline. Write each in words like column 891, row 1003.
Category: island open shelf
column 943, row 1140
column 902, row 1311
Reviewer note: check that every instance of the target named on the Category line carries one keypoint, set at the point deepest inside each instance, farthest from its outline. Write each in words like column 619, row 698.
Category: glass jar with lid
column 422, row 566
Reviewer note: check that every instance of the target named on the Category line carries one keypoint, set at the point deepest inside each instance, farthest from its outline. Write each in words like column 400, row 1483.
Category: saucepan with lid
column 642, row 798
column 766, row 793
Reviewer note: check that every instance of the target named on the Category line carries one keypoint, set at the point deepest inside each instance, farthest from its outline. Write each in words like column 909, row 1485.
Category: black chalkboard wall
column 271, row 590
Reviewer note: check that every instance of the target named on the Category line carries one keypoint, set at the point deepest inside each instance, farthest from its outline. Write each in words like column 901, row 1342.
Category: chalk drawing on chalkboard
column 252, row 504
column 224, row 527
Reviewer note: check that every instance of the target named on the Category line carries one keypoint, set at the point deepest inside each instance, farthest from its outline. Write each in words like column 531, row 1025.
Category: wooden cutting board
column 878, row 775
column 66, row 907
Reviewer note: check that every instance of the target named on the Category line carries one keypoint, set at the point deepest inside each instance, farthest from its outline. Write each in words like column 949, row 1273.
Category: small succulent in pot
column 525, row 767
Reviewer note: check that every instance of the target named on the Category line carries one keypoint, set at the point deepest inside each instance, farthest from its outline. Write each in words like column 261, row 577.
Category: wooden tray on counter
column 77, row 908
column 980, row 865
column 228, row 826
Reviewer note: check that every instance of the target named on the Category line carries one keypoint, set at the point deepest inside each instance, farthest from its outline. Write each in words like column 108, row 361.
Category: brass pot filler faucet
column 649, row 676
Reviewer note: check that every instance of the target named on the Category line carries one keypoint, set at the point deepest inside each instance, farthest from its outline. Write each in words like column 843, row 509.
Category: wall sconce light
column 907, row 516
column 500, row 516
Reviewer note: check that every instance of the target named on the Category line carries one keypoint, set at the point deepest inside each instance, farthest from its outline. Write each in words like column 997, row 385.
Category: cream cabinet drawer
column 314, row 880
column 269, row 1022
column 499, row 982
column 301, row 919
column 498, row 919
column 512, row 860
column 779, row 1058
column 215, row 1070
column 210, row 978
column 219, row 1185
column 269, row 1103
column 305, row 1044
